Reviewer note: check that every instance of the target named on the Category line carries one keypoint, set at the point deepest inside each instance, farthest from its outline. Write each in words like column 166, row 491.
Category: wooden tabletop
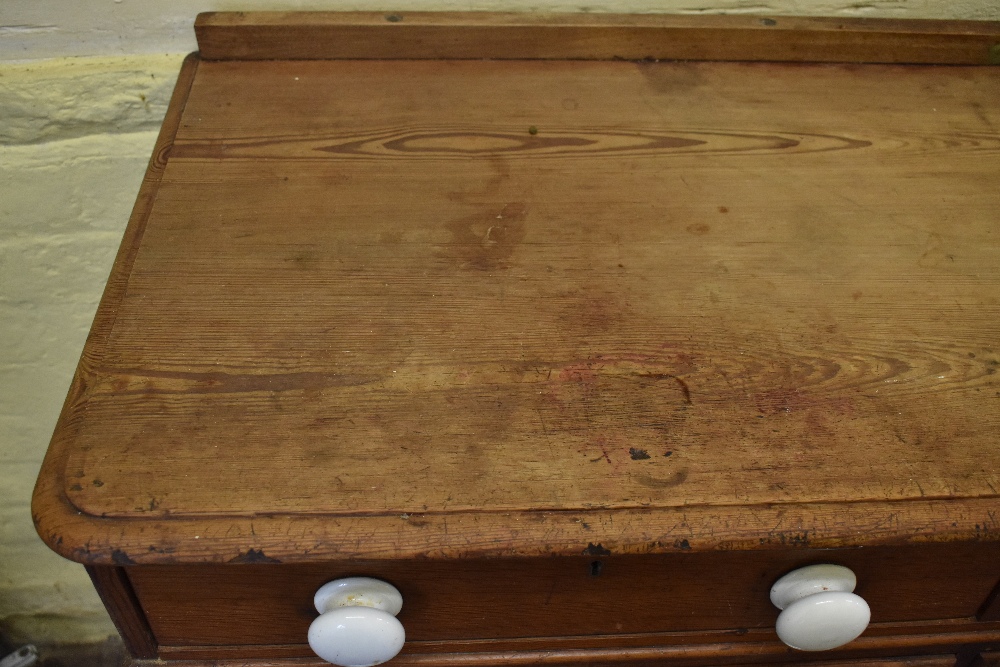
column 389, row 308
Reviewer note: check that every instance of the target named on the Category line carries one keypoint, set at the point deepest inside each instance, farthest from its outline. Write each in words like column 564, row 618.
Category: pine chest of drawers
column 578, row 331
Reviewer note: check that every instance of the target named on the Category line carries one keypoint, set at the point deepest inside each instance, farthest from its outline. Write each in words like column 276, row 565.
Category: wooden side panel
column 119, row 599
column 323, row 35
column 990, row 611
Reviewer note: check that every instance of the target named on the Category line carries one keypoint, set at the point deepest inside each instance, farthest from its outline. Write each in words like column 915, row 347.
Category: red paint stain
column 583, row 372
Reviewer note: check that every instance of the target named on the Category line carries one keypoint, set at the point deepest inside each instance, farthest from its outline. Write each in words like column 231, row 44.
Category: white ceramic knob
column 819, row 608
column 357, row 625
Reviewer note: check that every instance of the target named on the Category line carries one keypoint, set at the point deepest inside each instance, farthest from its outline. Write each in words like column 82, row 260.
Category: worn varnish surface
column 702, row 305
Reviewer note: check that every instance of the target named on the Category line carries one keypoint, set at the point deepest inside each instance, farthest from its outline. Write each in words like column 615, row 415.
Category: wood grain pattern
column 704, row 305
column 760, row 290
column 479, row 35
column 50, row 507
column 562, row 597
column 119, row 599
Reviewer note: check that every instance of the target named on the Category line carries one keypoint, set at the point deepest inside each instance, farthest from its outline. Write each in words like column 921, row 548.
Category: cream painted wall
column 74, row 141
column 33, row 29
column 75, row 134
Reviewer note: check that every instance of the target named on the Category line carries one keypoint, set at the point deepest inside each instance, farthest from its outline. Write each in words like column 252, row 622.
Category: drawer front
column 269, row 604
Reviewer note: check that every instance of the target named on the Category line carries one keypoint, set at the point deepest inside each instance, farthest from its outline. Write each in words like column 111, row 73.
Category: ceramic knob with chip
column 819, row 608
column 357, row 625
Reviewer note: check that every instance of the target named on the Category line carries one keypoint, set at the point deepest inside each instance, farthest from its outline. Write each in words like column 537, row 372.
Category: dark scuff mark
column 685, row 390
column 668, row 453
column 119, row 557
column 638, row 454
column 488, row 241
column 160, row 550
column 595, row 550
column 253, row 556
column 795, row 539
column 76, row 487
column 604, row 456
column 683, row 545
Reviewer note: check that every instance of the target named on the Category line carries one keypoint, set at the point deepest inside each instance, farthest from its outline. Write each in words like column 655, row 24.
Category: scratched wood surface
column 454, row 307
